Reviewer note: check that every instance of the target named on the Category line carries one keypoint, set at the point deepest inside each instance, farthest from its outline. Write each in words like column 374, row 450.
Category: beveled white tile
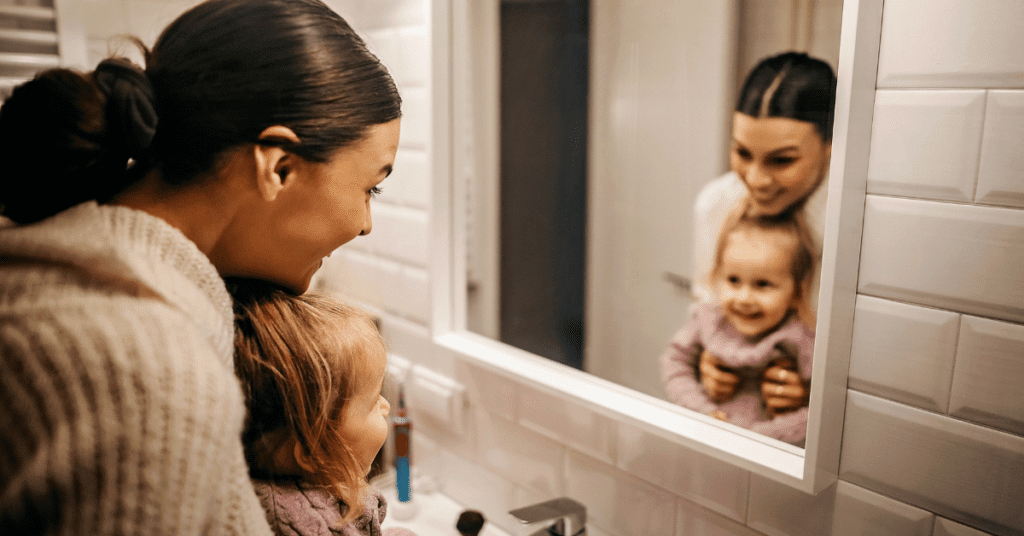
column 413, row 297
column 520, row 455
column 566, row 422
column 705, row 481
column 489, row 391
column 861, row 511
column 903, row 352
column 779, row 510
column 962, row 471
column 356, row 275
column 692, row 520
column 1002, row 160
column 399, row 233
column 619, row 502
column 957, row 257
column 413, row 44
column 945, row 527
column 476, row 487
column 415, row 118
column 989, row 374
column 951, row 43
column 409, row 183
column 925, row 144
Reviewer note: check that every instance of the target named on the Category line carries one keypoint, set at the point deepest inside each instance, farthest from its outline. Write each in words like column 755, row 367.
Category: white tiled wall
column 934, row 432
column 933, row 436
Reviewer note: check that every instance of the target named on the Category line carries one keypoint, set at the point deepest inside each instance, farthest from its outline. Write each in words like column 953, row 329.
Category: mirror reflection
column 660, row 195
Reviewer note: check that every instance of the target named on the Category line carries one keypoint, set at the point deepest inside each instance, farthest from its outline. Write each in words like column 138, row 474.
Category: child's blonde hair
column 791, row 228
column 300, row 359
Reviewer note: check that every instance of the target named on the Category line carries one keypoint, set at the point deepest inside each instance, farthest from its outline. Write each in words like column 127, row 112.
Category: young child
column 762, row 274
column 312, row 370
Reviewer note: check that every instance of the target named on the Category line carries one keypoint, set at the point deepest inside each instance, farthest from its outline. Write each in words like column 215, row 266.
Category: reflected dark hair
column 218, row 76
column 792, row 85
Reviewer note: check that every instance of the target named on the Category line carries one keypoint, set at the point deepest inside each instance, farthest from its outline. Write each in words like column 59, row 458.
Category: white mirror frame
column 464, row 142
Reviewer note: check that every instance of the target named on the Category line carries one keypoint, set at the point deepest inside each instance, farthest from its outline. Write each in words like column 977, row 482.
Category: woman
column 249, row 146
column 782, row 145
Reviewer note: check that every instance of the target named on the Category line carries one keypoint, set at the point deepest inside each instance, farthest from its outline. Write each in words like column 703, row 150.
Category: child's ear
column 302, row 459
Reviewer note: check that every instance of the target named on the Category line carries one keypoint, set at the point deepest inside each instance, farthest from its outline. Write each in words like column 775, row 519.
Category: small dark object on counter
column 470, row 522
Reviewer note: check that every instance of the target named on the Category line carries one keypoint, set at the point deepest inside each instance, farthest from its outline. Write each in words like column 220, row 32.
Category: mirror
column 659, row 80
column 612, row 116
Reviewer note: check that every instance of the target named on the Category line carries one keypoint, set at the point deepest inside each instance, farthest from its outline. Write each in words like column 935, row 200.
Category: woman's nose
column 368, row 226
column 758, row 177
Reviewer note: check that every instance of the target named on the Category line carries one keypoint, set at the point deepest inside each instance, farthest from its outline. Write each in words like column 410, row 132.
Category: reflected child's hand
column 719, row 382
column 782, row 387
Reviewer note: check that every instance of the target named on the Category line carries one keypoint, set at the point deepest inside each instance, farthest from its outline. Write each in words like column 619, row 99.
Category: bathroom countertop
column 436, row 515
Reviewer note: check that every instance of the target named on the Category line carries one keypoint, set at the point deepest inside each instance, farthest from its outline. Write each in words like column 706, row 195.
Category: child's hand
column 782, row 388
column 719, row 383
column 720, row 415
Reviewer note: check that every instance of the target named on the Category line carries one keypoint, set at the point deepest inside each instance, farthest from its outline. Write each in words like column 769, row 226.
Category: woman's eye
column 743, row 153
column 733, row 280
column 764, row 284
column 375, row 191
column 782, row 160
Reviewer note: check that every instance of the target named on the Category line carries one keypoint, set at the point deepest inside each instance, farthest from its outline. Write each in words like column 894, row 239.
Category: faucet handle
column 559, row 517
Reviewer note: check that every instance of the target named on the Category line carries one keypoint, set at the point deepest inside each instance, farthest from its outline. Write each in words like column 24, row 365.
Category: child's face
column 755, row 286
column 365, row 417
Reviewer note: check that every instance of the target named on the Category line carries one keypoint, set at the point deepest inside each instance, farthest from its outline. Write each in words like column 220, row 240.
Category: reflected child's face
column 364, row 420
column 754, row 283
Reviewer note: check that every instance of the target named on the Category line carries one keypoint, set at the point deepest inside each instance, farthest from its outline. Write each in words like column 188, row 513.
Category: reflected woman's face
column 781, row 160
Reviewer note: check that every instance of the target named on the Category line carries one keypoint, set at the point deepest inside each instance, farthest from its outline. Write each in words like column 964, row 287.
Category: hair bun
column 131, row 110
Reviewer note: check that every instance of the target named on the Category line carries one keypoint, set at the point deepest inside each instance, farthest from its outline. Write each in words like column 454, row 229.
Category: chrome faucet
column 557, row 517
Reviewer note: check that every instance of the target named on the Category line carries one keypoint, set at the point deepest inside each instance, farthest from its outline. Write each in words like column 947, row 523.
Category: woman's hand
column 719, row 383
column 782, row 388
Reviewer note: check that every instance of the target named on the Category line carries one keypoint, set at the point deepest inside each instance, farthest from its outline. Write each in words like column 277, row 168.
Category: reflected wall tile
column 903, row 352
column 951, row 43
column 520, row 455
column 621, row 503
column 989, row 374
column 1002, row 160
column 945, row 527
column 860, row 511
column 779, row 510
column 567, row 422
column 925, row 144
column 962, row 471
column 958, row 257
column 708, row 482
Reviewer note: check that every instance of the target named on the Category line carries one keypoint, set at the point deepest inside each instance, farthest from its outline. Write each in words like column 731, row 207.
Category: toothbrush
column 403, row 449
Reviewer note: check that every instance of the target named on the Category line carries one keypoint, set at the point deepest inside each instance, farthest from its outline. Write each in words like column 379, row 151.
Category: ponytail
column 69, row 137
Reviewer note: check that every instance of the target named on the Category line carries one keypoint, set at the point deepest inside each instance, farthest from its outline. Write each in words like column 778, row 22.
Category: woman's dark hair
column 216, row 78
column 791, row 85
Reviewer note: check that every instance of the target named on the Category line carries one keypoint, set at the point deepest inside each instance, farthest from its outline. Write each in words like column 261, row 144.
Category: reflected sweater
column 121, row 411
column 709, row 330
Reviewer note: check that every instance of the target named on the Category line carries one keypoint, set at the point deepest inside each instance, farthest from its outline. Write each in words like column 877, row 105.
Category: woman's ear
column 273, row 162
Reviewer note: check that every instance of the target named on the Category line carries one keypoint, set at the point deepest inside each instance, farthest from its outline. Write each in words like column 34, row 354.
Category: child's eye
column 375, row 191
column 764, row 283
column 733, row 279
column 743, row 153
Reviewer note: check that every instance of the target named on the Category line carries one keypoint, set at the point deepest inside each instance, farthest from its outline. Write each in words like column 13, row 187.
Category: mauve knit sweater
column 119, row 409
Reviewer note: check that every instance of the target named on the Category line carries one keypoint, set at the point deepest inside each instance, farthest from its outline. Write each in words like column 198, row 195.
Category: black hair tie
column 131, row 108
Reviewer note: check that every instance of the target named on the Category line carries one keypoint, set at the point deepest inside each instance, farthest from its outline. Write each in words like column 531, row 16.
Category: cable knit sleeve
column 119, row 419
column 679, row 368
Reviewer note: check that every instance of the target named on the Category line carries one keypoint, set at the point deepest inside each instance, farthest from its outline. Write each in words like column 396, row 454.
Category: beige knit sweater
column 119, row 409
